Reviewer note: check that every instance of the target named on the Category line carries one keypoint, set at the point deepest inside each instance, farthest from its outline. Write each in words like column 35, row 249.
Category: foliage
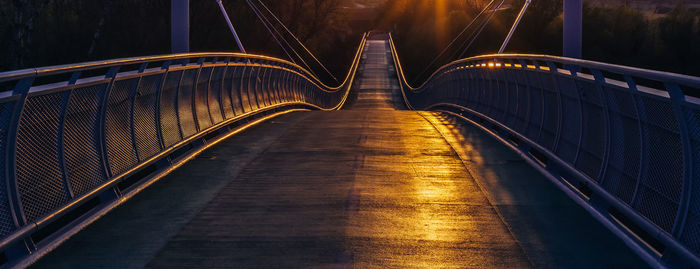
column 69, row 31
column 616, row 34
column 47, row 32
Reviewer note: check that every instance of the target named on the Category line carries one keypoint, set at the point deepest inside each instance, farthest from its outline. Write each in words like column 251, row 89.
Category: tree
column 20, row 16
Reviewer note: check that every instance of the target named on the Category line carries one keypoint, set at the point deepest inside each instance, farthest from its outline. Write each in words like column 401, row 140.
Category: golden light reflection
column 419, row 208
column 441, row 23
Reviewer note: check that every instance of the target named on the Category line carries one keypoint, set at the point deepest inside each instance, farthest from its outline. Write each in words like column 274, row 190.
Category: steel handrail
column 488, row 105
column 687, row 80
column 244, row 87
column 59, row 69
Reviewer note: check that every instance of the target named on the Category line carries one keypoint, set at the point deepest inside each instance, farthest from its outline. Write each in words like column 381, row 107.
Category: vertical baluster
column 65, row 98
column 25, row 246
column 678, row 102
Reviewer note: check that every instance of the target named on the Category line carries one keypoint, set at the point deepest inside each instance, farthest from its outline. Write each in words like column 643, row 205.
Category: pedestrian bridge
column 233, row 160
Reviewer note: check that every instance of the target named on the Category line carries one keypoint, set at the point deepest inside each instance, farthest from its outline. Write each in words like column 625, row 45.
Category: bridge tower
column 180, row 26
column 573, row 18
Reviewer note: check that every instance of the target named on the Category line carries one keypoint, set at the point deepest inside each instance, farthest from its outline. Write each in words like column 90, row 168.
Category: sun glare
column 441, row 10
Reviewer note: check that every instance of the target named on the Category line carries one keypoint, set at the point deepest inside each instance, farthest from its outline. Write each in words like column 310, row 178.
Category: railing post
column 65, row 99
column 242, row 85
column 574, row 76
column 102, row 119
column 26, row 246
column 605, row 103
column 222, row 88
column 677, row 100
column 643, row 139
column 208, row 89
column 133, row 94
column 159, row 125
column 177, row 101
column 195, row 89
column 180, row 26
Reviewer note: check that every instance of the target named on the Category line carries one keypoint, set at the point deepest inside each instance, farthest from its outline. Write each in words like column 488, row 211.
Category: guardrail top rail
column 623, row 141
column 74, row 137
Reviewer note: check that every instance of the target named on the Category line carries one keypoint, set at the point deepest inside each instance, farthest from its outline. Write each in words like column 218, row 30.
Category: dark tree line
column 47, row 32
column 616, row 34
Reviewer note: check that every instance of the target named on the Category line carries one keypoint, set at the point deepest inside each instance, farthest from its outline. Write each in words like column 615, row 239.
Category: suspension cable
column 230, row 26
column 482, row 29
column 297, row 39
column 273, row 36
column 455, row 39
column 274, row 30
column 515, row 26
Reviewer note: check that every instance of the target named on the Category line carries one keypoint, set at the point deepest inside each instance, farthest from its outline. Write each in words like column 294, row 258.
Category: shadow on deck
column 371, row 186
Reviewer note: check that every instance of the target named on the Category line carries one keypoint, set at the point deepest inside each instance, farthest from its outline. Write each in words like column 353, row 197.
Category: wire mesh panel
column 169, row 126
column 571, row 120
column 121, row 153
column 84, row 164
column 690, row 235
column 244, row 90
column 594, row 135
column 623, row 168
column 490, row 94
column 185, row 98
column 501, row 82
column 145, row 116
column 253, row 84
column 7, row 225
column 261, row 86
column 513, row 97
column 659, row 194
column 522, row 115
column 551, row 109
column 551, row 123
column 214, row 95
column 609, row 135
column 536, row 110
column 202, row 99
column 226, row 84
column 71, row 145
column 236, row 86
column 272, row 86
column 39, row 179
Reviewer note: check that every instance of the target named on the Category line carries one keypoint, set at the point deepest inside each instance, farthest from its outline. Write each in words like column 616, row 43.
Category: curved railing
column 74, row 148
column 623, row 142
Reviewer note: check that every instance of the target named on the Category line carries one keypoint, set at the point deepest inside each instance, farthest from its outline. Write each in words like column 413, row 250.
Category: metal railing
column 71, row 148
column 623, row 142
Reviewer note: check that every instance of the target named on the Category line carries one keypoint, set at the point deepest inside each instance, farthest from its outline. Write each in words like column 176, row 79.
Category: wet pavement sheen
column 357, row 188
column 368, row 187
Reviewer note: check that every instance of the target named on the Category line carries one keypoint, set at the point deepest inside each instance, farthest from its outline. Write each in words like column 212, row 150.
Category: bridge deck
column 365, row 187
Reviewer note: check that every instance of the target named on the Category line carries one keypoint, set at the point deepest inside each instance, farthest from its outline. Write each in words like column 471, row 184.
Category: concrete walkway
column 368, row 187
